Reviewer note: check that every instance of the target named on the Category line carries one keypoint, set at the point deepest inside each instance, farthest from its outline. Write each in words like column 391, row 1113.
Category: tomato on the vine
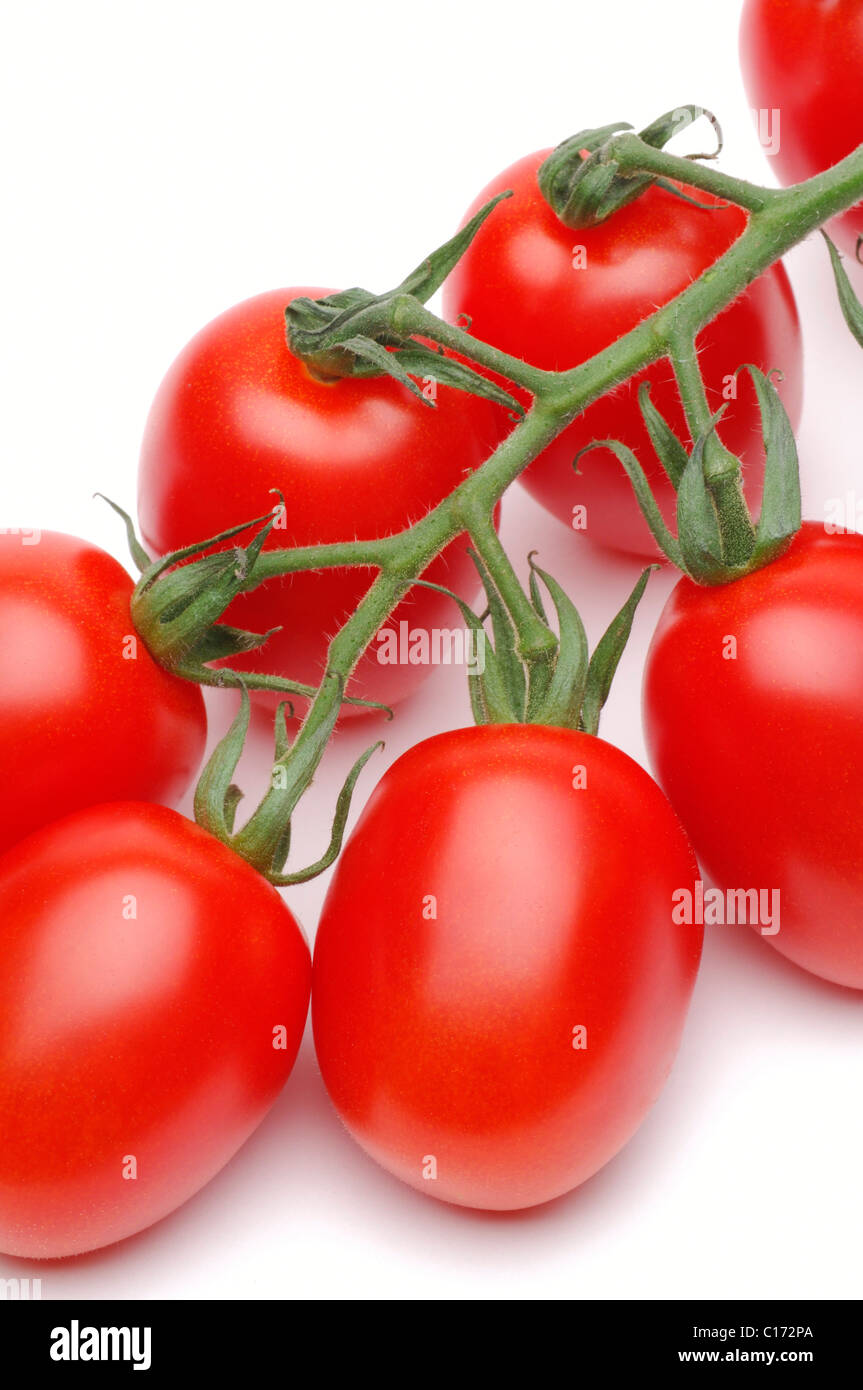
column 752, row 702
column 238, row 415
column 153, row 994
column 803, row 68
column 499, row 988
column 537, row 290
column 86, row 714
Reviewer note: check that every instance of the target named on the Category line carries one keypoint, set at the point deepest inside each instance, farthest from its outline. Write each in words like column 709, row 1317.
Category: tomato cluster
column 510, row 941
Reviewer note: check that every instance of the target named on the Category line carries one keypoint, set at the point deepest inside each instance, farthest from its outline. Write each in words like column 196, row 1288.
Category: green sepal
column 697, row 525
column 372, row 359
column 541, row 672
column 426, row 362
column 314, row 317
column 157, row 568
column 430, row 274
column 852, row 309
column 712, row 472
column 343, row 806
column 266, row 845
column 670, row 450
column 667, row 543
column 175, row 607
column 538, row 684
column 679, row 118
column 263, row 841
column 565, row 171
column 577, row 187
column 561, row 702
column 570, row 688
column 221, row 641
column 414, row 359
column 781, row 508
column 330, row 334
column 489, row 696
column 606, row 657
column 140, row 558
column 282, row 741
column 279, row 685
column 505, row 643
column 216, row 795
column 535, row 591
column 582, row 183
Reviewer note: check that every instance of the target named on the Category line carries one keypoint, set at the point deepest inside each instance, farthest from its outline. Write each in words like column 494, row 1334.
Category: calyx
column 583, row 183
column 566, row 686
column 717, row 540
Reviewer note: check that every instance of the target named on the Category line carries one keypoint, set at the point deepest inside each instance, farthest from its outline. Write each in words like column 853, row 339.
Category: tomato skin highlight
column 238, row 415
column 762, row 756
column 805, row 61
column 81, row 721
column 518, row 286
column 147, row 1036
column 452, row 1037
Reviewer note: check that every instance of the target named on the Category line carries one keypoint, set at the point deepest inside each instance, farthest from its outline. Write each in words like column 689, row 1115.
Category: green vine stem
column 778, row 220
column 535, row 644
column 635, row 157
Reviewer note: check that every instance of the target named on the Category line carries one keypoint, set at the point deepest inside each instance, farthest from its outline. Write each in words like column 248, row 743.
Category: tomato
column 521, row 287
column 145, row 973
column 803, row 68
column 238, row 414
column 86, row 714
column 752, row 699
column 498, row 989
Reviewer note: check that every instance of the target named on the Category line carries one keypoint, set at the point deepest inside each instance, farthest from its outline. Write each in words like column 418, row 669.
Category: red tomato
column 144, row 972
column 752, row 700
column 803, row 67
column 498, row 987
column 520, row 287
column 86, row 715
column 238, row 414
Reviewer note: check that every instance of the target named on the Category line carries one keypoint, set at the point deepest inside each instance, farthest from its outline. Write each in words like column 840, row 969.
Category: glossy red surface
column 803, row 59
column 761, row 755
column 143, row 970
column 483, row 909
column 86, row 715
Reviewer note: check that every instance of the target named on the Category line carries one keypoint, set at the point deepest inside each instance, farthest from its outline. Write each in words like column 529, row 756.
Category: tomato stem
column 363, row 334
column 536, row 644
column 414, row 318
column 633, row 156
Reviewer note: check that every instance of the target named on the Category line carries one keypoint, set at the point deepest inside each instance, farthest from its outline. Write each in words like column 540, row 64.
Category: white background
column 163, row 160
